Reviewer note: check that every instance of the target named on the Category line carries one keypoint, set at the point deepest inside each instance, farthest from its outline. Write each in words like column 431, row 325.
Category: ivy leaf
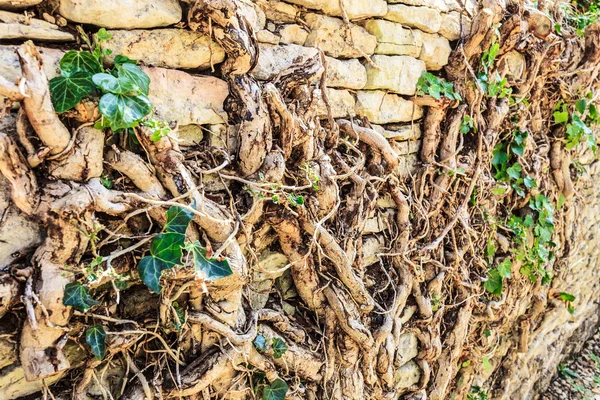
column 494, row 282
column 67, row 91
column 78, row 61
column 514, row 171
column 530, row 183
column 77, row 296
column 120, row 59
column 279, row 347
column 150, row 269
column 212, row 268
column 567, row 296
column 561, row 117
column 124, row 111
column 500, row 155
column 486, row 363
column 103, row 34
column 504, row 268
column 260, row 342
column 167, row 248
column 134, row 74
column 517, row 149
column 581, row 105
column 95, row 336
column 110, row 84
column 178, row 219
column 296, row 200
column 276, row 390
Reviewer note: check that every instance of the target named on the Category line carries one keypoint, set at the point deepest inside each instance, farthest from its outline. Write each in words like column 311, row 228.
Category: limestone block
column 270, row 267
column 265, row 36
column 329, row 35
column 17, row 4
column 407, row 165
column 179, row 48
column 401, row 132
column 394, row 39
column 187, row 99
column 397, row 73
column 349, row 74
column 383, row 108
column 342, row 104
column 17, row 26
column 408, row 348
column 450, row 28
column 273, row 59
column 435, row 4
column 293, row 33
column 423, row 18
column 405, row 147
column 407, row 375
column 435, row 51
column 253, row 14
column 278, row 11
column 125, row 14
column 189, row 135
column 514, row 64
column 355, row 9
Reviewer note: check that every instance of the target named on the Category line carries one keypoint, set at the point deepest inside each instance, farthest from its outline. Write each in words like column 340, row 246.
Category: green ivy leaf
column 212, row 268
column 167, row 248
column 150, row 269
column 581, row 105
column 500, row 155
column 103, row 35
column 260, row 342
column 494, row 282
column 134, row 74
column 279, row 347
column 178, row 219
column 530, row 183
column 296, row 200
column 276, row 390
column 486, row 363
column 109, row 84
column 514, row 171
column 504, row 268
column 95, row 336
column 567, row 296
column 120, row 59
column 561, row 117
column 124, row 111
column 77, row 296
column 67, row 91
column 79, row 61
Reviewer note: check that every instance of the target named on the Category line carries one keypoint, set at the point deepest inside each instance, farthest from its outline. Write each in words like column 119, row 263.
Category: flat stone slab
column 169, row 48
column 395, row 39
column 435, row 51
column 399, row 74
column 17, row 4
column 330, row 35
column 384, row 108
column 273, row 59
column 342, row 104
column 17, row 26
column 423, row 18
column 177, row 96
column 355, row 9
column 349, row 74
column 131, row 14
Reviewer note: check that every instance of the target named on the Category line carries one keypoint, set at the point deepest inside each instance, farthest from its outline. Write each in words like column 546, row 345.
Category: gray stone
column 384, row 108
column 394, row 39
column 399, row 74
column 17, row 26
column 330, row 35
column 407, row 375
column 187, row 99
column 189, row 135
column 349, row 74
column 342, row 104
column 423, row 18
column 355, row 9
column 405, row 147
column 435, row 51
column 179, row 48
column 126, row 14
column 408, row 348
column 273, row 59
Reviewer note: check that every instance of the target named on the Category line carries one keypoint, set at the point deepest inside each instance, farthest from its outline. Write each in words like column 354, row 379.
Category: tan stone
column 397, row 73
column 423, row 18
column 342, row 104
column 408, row 348
column 407, row 165
column 126, row 14
column 435, row 51
column 187, row 99
column 17, row 4
column 435, row 4
column 293, row 33
column 252, row 13
column 405, row 147
column 265, row 36
column 372, row 245
column 355, row 9
column 407, row 375
column 394, row 39
column 278, row 11
column 10, row 68
column 379, row 221
column 402, row 132
column 189, row 135
column 450, row 28
column 383, row 108
column 17, row 26
column 513, row 63
column 329, row 34
column 273, row 59
column 349, row 74
column 179, row 48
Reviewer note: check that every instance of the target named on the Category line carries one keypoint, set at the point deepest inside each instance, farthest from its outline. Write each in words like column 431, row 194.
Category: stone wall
column 375, row 52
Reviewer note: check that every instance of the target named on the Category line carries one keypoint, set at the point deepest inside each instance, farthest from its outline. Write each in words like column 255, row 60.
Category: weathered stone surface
column 400, row 132
column 189, row 135
column 383, row 108
column 253, row 14
column 408, row 348
column 397, row 73
column 342, row 104
column 265, row 36
column 407, row 375
column 278, row 11
column 126, row 14
column 405, row 147
column 435, row 51
column 435, row 4
column 349, row 74
column 273, row 59
column 179, row 48
column 423, row 18
column 17, row 4
column 293, row 33
column 394, row 39
column 450, row 28
column 187, row 99
column 407, row 165
column 329, row 35
column 11, row 69
column 17, row 26
column 355, row 9
column 513, row 63
column 270, row 267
